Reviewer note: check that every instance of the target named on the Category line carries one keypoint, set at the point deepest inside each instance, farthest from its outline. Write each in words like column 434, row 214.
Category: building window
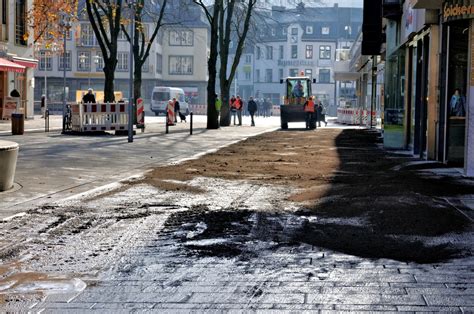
column 309, row 29
column 325, row 30
column 67, row 60
column 269, row 53
column 159, row 63
column 122, row 64
column 258, row 53
column 20, row 23
column 181, row 65
column 325, row 52
column 181, row 38
column 294, row 31
column 309, row 52
column 280, row 73
column 247, row 76
column 269, row 75
column 273, row 32
column 248, row 59
column 257, row 75
column 99, row 62
column 45, row 61
column 4, row 12
column 293, row 72
column 281, row 54
column 294, row 52
column 324, row 76
column 84, row 61
column 146, row 66
column 283, row 31
column 87, row 35
column 309, row 73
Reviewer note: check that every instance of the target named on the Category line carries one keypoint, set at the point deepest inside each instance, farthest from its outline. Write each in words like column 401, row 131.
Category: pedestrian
column 218, row 106
column 268, row 107
column 457, row 104
column 260, row 106
column 43, row 106
column 323, row 114
column 239, row 104
column 176, row 110
column 309, row 113
column 319, row 113
column 233, row 111
column 252, row 108
column 89, row 97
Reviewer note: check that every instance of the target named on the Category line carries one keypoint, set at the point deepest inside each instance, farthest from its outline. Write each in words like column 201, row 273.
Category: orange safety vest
column 309, row 106
column 238, row 104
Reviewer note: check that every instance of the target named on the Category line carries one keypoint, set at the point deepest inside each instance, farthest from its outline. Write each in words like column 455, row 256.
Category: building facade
column 16, row 57
column 304, row 40
column 178, row 58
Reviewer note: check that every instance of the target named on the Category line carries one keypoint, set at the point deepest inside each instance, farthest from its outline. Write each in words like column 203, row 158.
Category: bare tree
column 105, row 18
column 141, row 43
column 234, row 22
column 213, row 19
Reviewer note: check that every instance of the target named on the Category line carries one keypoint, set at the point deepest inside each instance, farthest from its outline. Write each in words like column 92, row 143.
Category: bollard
column 46, row 120
column 191, row 123
column 166, row 123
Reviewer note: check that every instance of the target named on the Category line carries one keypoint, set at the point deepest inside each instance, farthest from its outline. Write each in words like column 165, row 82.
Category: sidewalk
column 287, row 221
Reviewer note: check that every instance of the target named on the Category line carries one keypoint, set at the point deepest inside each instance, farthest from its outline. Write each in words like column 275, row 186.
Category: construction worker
column 309, row 113
column 218, row 106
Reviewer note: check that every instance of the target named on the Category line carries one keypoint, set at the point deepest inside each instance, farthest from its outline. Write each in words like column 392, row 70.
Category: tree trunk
column 212, row 119
column 225, row 111
column 109, row 72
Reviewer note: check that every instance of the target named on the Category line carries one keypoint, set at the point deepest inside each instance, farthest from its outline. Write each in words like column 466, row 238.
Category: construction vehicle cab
column 298, row 91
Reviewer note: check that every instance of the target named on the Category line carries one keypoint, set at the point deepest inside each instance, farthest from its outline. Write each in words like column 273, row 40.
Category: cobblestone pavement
column 140, row 249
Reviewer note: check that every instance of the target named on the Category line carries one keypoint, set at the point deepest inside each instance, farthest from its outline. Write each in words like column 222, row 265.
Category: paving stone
column 131, row 297
column 123, row 306
column 432, row 309
column 246, row 298
column 363, row 290
column 461, row 277
column 366, row 299
column 364, row 308
column 63, row 305
column 450, row 300
column 441, row 291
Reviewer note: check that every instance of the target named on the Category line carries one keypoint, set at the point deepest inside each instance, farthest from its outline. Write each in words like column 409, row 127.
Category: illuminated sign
column 454, row 10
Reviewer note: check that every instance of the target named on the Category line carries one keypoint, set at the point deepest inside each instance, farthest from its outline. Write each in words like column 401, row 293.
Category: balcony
column 427, row 4
column 392, row 9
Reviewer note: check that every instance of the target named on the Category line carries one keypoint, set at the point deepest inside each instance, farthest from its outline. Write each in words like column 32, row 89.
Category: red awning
column 8, row 66
column 27, row 63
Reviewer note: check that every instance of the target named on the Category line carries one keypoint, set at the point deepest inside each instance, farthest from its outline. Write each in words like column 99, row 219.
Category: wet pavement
column 220, row 243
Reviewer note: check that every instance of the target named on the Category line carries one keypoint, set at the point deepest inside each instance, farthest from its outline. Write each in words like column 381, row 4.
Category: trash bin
column 8, row 158
column 18, row 123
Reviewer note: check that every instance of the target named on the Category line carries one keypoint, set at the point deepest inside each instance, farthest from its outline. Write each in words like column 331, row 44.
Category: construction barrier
column 99, row 117
column 140, row 113
column 353, row 116
column 170, row 116
column 198, row 109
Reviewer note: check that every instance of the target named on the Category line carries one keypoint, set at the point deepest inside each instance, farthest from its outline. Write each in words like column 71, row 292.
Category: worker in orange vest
column 309, row 113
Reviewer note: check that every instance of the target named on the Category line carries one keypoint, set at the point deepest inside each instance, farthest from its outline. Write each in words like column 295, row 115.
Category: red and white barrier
column 354, row 116
column 140, row 113
column 170, row 111
column 99, row 117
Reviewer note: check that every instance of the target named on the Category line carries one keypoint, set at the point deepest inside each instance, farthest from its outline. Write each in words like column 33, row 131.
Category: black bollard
column 166, row 123
column 191, row 123
column 46, row 120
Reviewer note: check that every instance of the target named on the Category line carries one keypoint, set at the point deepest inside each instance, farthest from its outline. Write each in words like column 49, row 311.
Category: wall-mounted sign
column 454, row 10
column 296, row 63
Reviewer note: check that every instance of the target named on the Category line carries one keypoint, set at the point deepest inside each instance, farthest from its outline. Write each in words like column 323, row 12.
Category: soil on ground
column 360, row 200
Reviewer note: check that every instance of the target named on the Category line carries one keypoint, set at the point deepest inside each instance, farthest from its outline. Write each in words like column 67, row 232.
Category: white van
column 161, row 95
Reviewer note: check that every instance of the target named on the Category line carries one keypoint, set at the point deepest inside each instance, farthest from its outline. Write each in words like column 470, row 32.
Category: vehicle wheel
column 284, row 125
column 156, row 114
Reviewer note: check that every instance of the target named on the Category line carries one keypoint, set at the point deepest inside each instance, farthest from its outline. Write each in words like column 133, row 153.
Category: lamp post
column 65, row 23
column 131, row 3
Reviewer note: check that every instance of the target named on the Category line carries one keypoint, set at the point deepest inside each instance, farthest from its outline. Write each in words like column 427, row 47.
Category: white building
column 178, row 57
column 16, row 56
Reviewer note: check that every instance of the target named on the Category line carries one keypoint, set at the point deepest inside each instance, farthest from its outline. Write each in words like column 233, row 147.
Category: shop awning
column 8, row 66
column 27, row 63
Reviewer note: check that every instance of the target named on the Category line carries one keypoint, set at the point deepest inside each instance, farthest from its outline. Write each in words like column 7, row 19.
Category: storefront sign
column 295, row 63
column 454, row 10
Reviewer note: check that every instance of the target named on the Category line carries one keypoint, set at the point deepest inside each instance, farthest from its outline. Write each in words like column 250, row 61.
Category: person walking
column 233, row 111
column 43, row 106
column 457, row 104
column 218, row 107
column 309, row 113
column 252, row 108
column 319, row 113
column 176, row 110
column 239, row 104
column 323, row 114
column 89, row 97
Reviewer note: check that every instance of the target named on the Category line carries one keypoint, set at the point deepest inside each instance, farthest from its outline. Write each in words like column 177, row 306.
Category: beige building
column 16, row 58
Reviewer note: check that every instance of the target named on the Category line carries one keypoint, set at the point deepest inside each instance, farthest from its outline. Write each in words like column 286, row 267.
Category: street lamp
column 131, row 4
column 65, row 24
